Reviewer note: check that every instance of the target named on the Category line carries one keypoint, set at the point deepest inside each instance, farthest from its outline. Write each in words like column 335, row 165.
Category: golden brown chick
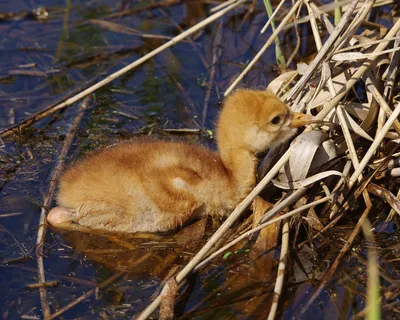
column 149, row 185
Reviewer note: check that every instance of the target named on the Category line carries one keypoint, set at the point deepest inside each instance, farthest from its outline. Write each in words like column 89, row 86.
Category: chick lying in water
column 149, row 185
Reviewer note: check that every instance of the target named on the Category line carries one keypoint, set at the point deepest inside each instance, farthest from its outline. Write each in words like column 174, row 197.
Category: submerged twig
column 216, row 53
column 47, row 203
column 87, row 294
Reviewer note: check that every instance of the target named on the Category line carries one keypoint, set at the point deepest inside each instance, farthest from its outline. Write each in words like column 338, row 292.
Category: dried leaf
column 339, row 82
column 302, row 68
column 276, row 84
column 303, row 150
column 359, row 110
column 346, row 56
column 307, row 181
column 326, row 152
column 353, row 126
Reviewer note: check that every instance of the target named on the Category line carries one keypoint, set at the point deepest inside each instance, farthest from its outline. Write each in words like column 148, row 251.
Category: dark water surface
column 42, row 62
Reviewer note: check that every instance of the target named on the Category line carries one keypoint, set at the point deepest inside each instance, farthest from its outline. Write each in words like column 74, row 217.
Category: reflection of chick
column 148, row 185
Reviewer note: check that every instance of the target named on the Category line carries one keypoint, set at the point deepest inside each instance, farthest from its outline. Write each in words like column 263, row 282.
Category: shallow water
column 42, row 62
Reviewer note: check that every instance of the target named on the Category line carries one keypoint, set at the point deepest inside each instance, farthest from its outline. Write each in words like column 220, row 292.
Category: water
column 41, row 63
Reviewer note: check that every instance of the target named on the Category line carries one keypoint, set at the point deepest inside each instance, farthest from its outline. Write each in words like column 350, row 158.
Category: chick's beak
column 300, row 119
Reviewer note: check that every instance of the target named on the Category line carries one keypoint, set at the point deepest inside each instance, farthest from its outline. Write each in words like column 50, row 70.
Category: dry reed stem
column 355, row 56
column 356, row 22
column 278, row 207
column 322, row 53
column 382, row 103
column 339, row 109
column 258, row 228
column 128, row 68
column 47, row 203
column 365, row 44
column 221, row 231
column 266, row 45
column 358, row 74
column 332, row 6
column 377, row 141
column 331, row 87
column 391, row 75
column 281, row 271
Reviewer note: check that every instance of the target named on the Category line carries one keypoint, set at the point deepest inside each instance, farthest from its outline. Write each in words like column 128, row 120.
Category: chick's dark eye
column 276, row 120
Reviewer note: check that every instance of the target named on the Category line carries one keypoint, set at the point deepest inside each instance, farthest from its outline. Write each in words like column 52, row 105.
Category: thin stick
column 281, row 271
column 298, row 38
column 266, row 45
column 221, row 231
column 216, row 50
column 133, row 65
column 47, row 202
column 272, row 16
column 222, row 5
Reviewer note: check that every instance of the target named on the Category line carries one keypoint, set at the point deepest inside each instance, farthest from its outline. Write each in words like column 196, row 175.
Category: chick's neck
column 241, row 165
